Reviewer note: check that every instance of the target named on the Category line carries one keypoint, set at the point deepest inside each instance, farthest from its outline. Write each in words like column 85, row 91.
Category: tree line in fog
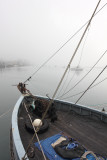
column 18, row 63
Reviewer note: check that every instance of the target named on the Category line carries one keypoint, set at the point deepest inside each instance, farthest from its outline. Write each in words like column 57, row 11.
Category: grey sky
column 34, row 29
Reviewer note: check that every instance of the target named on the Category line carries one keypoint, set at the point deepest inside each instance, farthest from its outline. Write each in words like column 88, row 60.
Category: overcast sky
column 33, row 30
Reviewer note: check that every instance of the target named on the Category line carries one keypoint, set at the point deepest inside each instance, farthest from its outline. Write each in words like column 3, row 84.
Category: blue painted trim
column 19, row 150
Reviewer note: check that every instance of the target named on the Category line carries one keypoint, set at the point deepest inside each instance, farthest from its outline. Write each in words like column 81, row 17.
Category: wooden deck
column 90, row 133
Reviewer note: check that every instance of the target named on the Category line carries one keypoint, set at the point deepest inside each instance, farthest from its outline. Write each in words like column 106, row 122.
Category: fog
column 34, row 30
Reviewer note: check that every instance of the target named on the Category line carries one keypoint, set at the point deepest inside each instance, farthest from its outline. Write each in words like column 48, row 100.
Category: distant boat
column 76, row 68
column 48, row 128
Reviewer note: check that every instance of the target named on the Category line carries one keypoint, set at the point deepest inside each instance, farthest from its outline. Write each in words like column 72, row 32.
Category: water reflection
column 44, row 82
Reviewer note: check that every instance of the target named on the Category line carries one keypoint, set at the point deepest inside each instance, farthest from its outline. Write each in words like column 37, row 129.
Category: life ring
column 30, row 129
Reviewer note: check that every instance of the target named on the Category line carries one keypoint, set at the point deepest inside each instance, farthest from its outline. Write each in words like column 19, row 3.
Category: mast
column 71, row 60
column 51, row 101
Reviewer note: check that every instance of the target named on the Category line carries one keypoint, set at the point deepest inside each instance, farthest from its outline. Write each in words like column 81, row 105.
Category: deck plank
column 90, row 133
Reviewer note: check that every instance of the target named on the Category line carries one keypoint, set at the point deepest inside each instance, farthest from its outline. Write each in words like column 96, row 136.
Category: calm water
column 44, row 83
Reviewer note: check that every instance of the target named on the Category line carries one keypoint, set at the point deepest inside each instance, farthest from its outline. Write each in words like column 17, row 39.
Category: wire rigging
column 89, row 88
column 78, row 63
column 84, row 75
column 91, row 84
column 64, row 83
column 5, row 113
column 63, row 45
column 83, row 47
column 51, row 101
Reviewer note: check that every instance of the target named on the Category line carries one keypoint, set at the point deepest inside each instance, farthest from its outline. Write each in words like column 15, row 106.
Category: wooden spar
column 70, row 60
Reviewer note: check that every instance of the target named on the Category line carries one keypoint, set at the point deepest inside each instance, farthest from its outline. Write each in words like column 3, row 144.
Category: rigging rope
column 63, row 45
column 64, row 83
column 83, row 76
column 33, row 136
column 51, row 101
column 91, row 84
column 83, row 91
column 77, row 65
column 5, row 113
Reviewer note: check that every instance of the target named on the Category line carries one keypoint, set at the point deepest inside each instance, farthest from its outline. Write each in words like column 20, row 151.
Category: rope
column 63, row 45
column 83, row 91
column 33, row 137
column 5, row 113
column 67, row 68
column 83, row 76
column 64, row 83
column 51, row 101
column 77, row 65
column 91, row 84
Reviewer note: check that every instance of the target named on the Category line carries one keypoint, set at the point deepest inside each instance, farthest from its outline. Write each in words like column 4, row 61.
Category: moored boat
column 48, row 128
column 87, row 126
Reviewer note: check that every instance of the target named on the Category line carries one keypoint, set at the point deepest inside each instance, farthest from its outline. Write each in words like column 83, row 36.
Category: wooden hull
column 64, row 108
